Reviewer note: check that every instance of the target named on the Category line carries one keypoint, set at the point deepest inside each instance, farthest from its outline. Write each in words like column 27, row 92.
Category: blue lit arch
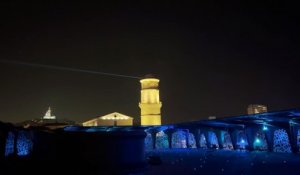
column 202, row 141
column 281, row 141
column 192, row 141
column 213, row 140
column 260, row 142
column 9, row 145
column 148, row 142
column 179, row 139
column 161, row 140
column 226, row 140
column 241, row 141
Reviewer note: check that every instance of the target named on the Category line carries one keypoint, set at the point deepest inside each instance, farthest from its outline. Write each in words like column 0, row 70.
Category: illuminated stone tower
column 150, row 104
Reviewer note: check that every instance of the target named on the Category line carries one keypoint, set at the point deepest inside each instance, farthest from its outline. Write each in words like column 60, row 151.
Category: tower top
column 48, row 114
column 149, row 82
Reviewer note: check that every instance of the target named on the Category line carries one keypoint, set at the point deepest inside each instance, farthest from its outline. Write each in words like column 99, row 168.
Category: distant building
column 48, row 121
column 113, row 119
column 48, row 115
column 256, row 108
column 212, row 117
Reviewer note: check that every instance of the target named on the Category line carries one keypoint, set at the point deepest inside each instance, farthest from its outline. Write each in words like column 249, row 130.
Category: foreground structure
column 124, row 147
column 72, row 150
column 271, row 131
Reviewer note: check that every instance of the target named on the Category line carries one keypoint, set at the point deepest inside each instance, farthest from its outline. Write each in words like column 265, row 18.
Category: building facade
column 256, row 109
column 113, row 119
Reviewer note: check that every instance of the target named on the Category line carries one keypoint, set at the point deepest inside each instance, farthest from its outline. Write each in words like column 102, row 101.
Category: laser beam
column 66, row 68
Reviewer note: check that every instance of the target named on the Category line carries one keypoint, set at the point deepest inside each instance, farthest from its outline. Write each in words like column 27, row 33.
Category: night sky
column 212, row 59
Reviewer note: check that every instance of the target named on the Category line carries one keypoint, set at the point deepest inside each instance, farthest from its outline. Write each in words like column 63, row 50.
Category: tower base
column 150, row 120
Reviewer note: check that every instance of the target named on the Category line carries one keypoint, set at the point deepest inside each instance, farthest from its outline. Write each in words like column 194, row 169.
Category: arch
column 161, row 140
column 24, row 143
column 226, row 140
column 179, row 139
column 202, row 141
column 260, row 142
column 213, row 140
column 148, row 142
column 281, row 142
column 241, row 141
column 192, row 141
column 9, row 145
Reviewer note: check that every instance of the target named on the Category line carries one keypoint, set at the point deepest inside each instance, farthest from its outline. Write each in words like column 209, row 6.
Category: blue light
column 242, row 141
column 265, row 128
column 257, row 140
column 9, row 146
column 24, row 144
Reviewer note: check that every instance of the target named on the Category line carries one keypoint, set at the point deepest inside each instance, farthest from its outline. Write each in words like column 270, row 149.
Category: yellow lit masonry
column 150, row 104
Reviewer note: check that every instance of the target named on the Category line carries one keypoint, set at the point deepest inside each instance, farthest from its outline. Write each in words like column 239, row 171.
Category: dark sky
column 211, row 58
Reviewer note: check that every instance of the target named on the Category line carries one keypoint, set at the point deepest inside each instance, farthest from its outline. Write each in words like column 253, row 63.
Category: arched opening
column 213, row 140
column 260, row 142
column 179, row 139
column 192, row 141
column 281, row 142
column 161, row 140
column 9, row 145
column 24, row 143
column 226, row 140
column 148, row 142
column 202, row 141
column 241, row 141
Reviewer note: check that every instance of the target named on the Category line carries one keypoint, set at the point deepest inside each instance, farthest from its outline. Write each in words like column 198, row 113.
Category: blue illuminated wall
column 161, row 140
column 9, row 146
column 179, row 139
column 281, row 142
